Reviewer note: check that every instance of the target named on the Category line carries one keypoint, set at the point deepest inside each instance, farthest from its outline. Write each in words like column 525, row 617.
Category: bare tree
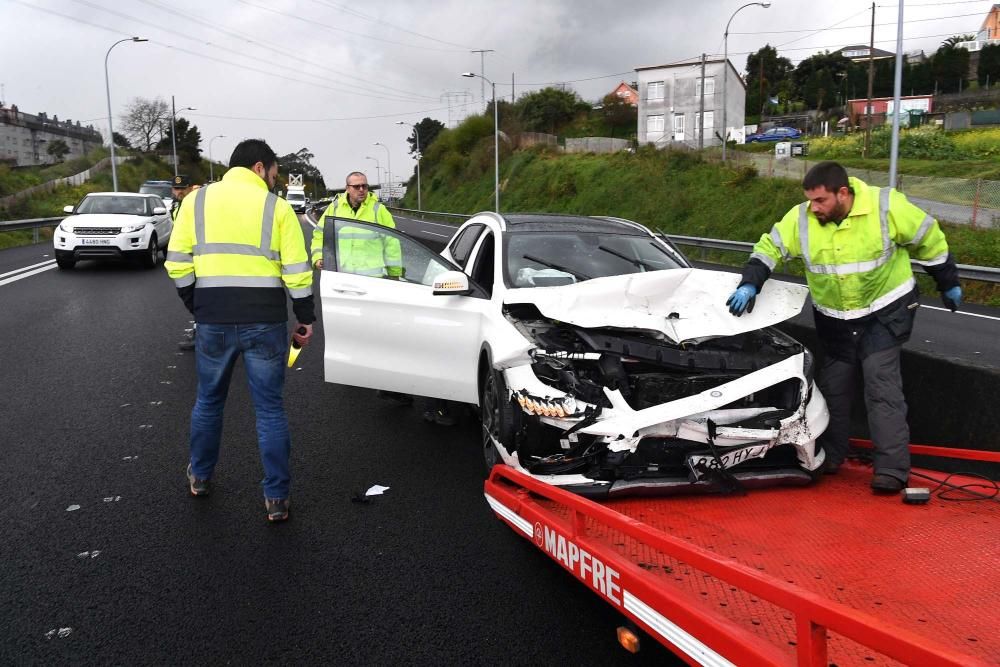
column 144, row 121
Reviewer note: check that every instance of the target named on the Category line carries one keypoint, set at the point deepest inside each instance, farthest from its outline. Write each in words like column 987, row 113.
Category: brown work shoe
column 277, row 508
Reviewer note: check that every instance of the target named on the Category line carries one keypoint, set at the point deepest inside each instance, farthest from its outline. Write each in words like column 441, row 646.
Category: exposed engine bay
column 600, row 420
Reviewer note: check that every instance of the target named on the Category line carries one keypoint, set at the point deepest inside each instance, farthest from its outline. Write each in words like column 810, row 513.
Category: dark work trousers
column 886, row 409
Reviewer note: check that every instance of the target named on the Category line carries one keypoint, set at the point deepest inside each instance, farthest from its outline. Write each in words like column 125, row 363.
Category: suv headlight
column 65, row 227
column 137, row 227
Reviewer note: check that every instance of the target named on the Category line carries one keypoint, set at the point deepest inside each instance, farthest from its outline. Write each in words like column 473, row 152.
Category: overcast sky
column 335, row 76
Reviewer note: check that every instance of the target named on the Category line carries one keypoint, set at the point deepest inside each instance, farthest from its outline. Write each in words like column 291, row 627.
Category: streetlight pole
column 417, row 134
column 496, row 138
column 378, row 170
column 173, row 128
column 725, row 72
column 107, row 89
column 211, row 167
column 388, row 166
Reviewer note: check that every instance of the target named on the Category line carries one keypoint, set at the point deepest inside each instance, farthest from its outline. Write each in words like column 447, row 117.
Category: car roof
column 561, row 222
column 157, row 183
column 119, row 194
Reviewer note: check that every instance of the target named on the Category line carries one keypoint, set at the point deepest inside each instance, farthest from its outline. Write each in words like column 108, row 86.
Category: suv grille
column 97, row 231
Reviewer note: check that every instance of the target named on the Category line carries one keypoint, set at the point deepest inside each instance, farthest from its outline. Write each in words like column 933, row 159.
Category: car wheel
column 152, row 255
column 64, row 262
column 497, row 416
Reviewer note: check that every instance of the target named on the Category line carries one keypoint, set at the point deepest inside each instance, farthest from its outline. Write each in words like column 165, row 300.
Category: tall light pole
column 378, row 170
column 496, row 138
column 173, row 128
column 725, row 72
column 107, row 89
column 896, row 93
column 417, row 134
column 211, row 167
column 388, row 166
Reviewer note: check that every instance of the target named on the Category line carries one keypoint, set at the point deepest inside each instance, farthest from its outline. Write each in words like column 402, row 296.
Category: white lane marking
column 424, row 222
column 25, row 268
column 28, row 274
column 961, row 312
column 62, row 633
column 447, row 236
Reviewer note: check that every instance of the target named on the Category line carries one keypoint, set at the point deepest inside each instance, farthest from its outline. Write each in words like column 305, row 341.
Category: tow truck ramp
column 822, row 575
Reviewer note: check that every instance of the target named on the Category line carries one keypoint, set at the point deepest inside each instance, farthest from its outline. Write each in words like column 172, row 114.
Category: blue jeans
column 263, row 346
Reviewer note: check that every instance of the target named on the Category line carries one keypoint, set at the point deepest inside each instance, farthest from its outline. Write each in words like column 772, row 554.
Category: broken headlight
column 564, row 406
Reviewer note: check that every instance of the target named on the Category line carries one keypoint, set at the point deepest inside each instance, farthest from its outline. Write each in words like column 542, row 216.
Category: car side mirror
column 67, row 209
column 159, row 210
column 452, row 283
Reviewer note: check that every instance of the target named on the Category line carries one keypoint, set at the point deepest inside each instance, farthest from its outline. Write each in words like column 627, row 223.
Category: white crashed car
column 601, row 361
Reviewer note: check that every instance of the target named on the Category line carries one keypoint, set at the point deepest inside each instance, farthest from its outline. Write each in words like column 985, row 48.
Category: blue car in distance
column 775, row 134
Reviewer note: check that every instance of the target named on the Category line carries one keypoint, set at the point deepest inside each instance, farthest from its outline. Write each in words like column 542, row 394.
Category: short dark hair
column 830, row 175
column 355, row 173
column 251, row 151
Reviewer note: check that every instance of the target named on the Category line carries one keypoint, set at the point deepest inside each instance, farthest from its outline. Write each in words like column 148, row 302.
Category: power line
column 380, row 22
column 277, row 48
column 314, row 23
column 332, row 120
column 852, row 27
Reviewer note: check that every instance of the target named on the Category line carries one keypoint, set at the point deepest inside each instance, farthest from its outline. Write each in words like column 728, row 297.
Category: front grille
column 97, row 231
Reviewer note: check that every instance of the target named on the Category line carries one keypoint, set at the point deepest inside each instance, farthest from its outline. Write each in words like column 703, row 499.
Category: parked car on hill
column 113, row 225
column 600, row 360
column 775, row 134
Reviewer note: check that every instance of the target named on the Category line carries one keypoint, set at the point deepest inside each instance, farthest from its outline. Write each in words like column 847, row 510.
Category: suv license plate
column 95, row 241
column 730, row 458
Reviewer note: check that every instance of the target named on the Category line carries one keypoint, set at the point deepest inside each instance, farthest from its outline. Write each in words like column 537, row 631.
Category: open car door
column 384, row 327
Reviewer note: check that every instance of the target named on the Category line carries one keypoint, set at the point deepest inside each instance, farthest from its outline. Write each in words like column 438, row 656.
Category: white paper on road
column 376, row 490
column 72, row 508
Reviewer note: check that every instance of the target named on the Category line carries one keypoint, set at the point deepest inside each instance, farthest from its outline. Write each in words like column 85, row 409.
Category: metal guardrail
column 985, row 274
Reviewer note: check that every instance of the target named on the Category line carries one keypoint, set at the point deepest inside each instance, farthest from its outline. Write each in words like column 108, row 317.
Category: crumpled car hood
column 683, row 304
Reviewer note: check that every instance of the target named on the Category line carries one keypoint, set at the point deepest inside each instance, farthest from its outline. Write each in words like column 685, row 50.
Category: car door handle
column 350, row 289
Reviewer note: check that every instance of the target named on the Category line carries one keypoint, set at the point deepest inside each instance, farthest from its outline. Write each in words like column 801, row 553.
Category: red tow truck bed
column 822, row 575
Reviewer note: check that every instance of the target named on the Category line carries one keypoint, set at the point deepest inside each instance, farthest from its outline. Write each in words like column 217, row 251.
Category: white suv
column 113, row 225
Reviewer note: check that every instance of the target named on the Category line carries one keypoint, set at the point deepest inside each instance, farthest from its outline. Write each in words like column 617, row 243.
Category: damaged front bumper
column 701, row 420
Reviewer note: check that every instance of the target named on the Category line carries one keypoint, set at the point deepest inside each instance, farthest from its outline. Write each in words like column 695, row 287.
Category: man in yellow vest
column 856, row 242
column 361, row 251
column 181, row 187
column 235, row 250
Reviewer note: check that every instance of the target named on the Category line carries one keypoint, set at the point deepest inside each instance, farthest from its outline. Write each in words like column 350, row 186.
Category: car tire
column 152, row 255
column 64, row 261
column 498, row 418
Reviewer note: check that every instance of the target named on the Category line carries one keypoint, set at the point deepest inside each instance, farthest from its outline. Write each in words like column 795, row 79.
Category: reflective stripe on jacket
column 361, row 251
column 863, row 264
column 236, row 234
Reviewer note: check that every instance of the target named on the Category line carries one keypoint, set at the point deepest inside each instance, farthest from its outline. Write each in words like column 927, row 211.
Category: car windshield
column 161, row 190
column 543, row 259
column 298, row 196
column 115, row 205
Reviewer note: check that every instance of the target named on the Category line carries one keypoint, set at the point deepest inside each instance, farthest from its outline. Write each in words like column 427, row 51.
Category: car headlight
column 137, row 227
column 808, row 365
column 64, row 226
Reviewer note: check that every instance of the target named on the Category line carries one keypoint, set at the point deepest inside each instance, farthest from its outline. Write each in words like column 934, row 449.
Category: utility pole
column 896, row 94
column 871, row 80
column 512, row 86
column 482, row 73
column 701, row 105
column 761, row 79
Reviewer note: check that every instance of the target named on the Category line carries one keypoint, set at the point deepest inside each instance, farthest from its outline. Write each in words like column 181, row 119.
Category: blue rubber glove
column 742, row 300
column 952, row 298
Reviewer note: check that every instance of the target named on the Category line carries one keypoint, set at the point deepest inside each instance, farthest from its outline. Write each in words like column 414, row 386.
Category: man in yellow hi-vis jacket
column 856, row 242
column 360, row 251
column 235, row 250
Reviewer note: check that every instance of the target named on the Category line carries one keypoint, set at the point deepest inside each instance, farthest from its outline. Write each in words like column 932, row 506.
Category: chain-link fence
column 958, row 200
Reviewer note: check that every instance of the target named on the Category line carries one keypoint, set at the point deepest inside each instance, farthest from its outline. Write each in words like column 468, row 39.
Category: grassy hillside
column 672, row 192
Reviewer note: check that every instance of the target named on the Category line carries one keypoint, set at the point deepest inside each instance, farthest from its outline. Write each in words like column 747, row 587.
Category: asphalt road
column 108, row 560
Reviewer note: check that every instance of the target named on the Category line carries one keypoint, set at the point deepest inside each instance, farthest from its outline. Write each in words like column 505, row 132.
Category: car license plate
column 730, row 458
column 95, row 241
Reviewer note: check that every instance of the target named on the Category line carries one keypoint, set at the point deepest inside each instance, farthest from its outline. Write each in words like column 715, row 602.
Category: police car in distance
column 601, row 361
column 113, row 225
